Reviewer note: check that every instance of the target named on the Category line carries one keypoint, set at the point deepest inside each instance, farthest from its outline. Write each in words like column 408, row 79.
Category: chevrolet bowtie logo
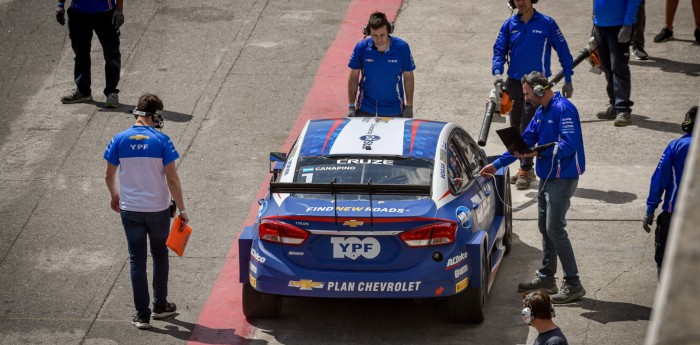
column 353, row 223
column 139, row 137
column 305, row 284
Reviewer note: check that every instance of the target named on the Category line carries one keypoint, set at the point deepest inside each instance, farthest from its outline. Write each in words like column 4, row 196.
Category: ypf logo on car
column 368, row 140
column 353, row 247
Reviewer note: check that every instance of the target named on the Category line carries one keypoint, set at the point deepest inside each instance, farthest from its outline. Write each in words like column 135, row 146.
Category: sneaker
column 163, row 311
column 75, row 97
column 608, row 114
column 112, row 101
column 623, row 119
column 568, row 293
column 524, row 179
column 515, row 177
column 639, row 53
column 663, row 36
column 141, row 321
column 538, row 284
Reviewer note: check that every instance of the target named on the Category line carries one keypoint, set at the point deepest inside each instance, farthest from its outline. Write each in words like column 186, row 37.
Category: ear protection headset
column 527, row 313
column 157, row 117
column 539, row 89
column 511, row 3
column 389, row 25
column 689, row 121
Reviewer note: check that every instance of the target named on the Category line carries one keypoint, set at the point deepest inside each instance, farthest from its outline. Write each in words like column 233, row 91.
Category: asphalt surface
column 234, row 77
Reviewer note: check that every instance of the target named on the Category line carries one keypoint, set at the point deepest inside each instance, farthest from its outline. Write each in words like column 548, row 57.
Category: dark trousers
column 142, row 228
column 663, row 224
column 614, row 60
column 639, row 26
column 521, row 114
column 80, row 29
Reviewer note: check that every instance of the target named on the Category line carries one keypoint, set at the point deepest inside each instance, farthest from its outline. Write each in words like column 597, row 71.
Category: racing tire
column 508, row 219
column 260, row 305
column 468, row 306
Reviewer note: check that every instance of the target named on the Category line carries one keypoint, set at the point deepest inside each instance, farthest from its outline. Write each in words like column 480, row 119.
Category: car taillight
column 430, row 235
column 273, row 230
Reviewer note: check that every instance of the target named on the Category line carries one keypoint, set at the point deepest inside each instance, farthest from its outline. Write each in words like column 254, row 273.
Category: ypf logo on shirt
column 353, row 247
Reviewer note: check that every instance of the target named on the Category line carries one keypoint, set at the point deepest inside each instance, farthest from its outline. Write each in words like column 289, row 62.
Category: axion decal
column 305, row 284
column 365, row 161
column 353, row 247
column 456, row 260
column 255, row 255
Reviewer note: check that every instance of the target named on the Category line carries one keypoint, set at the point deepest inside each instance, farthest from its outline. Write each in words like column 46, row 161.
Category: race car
column 373, row 207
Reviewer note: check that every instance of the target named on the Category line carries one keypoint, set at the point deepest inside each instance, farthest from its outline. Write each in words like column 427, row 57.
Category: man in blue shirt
column 104, row 17
column 666, row 182
column 528, row 38
column 612, row 29
column 385, row 65
column 556, row 121
column 148, row 177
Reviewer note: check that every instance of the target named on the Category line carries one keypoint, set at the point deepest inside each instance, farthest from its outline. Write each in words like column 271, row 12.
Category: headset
column 539, row 89
column 382, row 16
column 689, row 121
column 511, row 3
column 528, row 314
column 157, row 117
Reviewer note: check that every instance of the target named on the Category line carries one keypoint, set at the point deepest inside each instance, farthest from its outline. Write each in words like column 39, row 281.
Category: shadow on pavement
column 610, row 196
column 605, row 312
column 127, row 108
column 666, row 65
column 645, row 122
column 201, row 333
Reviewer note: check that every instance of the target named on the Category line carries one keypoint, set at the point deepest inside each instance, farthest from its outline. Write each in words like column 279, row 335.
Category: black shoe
column 141, row 321
column 608, row 114
column 663, row 36
column 639, row 53
column 538, row 284
column 163, row 311
column 568, row 293
column 75, row 97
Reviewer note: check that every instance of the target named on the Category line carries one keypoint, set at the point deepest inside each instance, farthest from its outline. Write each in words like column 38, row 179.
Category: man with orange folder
column 145, row 159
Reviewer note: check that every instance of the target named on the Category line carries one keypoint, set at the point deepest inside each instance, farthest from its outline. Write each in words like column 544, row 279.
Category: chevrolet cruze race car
column 378, row 208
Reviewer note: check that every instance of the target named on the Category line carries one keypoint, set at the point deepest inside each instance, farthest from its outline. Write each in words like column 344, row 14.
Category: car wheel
column 468, row 306
column 260, row 305
column 508, row 211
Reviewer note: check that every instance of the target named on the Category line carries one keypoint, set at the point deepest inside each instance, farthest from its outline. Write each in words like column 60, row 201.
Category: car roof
column 371, row 136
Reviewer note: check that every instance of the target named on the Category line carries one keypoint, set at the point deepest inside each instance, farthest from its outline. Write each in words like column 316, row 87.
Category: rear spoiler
column 349, row 188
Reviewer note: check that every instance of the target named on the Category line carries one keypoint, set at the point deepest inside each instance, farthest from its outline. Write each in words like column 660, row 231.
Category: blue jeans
column 80, row 29
column 552, row 204
column 614, row 60
column 155, row 226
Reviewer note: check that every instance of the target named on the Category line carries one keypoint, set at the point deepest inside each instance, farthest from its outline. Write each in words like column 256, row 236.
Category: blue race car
column 378, row 208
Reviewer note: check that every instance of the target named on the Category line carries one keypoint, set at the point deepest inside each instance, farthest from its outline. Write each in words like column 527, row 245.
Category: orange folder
column 177, row 240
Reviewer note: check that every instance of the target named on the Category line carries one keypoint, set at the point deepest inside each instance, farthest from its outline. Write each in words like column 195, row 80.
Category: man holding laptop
column 556, row 120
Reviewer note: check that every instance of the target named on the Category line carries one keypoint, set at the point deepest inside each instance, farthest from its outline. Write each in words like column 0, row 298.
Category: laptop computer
column 511, row 138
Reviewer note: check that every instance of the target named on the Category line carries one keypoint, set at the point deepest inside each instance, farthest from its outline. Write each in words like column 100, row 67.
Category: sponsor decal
column 334, row 168
column 461, row 271
column 438, row 291
column 464, row 216
column 369, row 60
column 353, row 223
column 368, row 140
column 262, row 208
column 307, row 169
column 462, row 285
column 353, row 247
column 374, row 286
column 302, row 223
column 456, row 260
column 139, row 137
column 295, row 253
column 355, row 209
column 139, row 147
column 253, row 282
column 253, row 268
column 365, row 161
column 393, row 61
column 443, row 159
column 255, row 255
column 305, row 284
column 290, row 159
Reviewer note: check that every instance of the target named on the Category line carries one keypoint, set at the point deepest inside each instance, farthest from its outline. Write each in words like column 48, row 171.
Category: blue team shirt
column 93, row 6
column 558, row 122
column 666, row 180
column 530, row 47
column 141, row 153
column 615, row 12
column 381, row 87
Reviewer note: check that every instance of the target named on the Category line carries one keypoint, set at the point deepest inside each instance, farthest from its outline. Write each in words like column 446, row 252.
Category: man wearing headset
column 148, row 177
column 381, row 67
column 538, row 312
column 666, row 183
column 528, row 38
column 556, row 121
